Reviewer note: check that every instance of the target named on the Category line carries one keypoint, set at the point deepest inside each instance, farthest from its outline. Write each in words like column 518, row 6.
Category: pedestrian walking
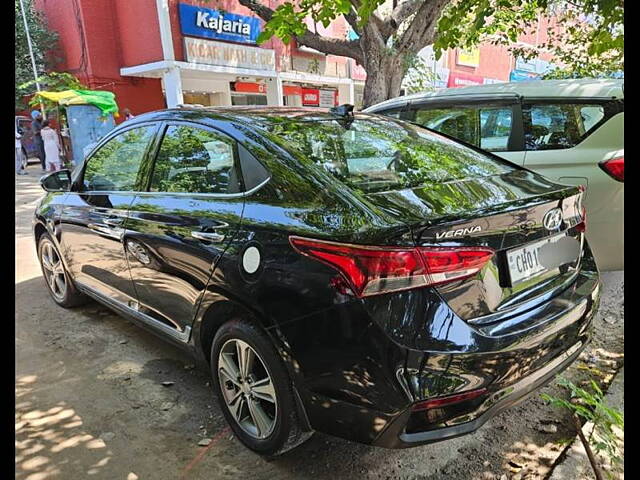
column 36, row 127
column 19, row 161
column 127, row 114
column 51, row 147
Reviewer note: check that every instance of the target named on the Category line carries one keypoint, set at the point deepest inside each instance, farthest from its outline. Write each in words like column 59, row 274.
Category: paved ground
column 90, row 403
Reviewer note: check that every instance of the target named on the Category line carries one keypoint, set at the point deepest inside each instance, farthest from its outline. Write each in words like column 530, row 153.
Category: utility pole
column 33, row 58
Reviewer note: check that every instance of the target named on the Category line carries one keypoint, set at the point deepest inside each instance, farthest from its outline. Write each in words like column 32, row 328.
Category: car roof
column 568, row 88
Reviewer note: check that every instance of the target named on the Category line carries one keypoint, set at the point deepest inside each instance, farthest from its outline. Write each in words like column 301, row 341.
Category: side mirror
column 59, row 181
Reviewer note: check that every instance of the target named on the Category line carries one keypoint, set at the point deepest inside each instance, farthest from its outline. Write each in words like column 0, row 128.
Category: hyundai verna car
column 347, row 273
column 571, row 131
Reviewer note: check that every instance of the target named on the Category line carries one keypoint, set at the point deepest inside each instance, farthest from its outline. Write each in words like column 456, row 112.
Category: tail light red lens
column 375, row 270
column 614, row 167
column 448, row 400
column 582, row 226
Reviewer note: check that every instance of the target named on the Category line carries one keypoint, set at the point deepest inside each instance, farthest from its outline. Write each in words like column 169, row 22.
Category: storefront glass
column 248, row 99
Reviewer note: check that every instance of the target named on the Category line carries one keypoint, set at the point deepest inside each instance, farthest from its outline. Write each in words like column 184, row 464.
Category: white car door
column 566, row 142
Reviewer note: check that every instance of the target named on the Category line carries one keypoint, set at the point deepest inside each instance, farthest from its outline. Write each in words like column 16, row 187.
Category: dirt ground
column 90, row 402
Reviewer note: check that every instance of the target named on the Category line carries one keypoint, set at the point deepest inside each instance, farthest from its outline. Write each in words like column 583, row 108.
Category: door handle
column 113, row 222
column 208, row 236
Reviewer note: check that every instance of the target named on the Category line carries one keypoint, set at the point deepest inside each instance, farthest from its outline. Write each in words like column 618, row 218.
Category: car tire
column 58, row 281
column 280, row 429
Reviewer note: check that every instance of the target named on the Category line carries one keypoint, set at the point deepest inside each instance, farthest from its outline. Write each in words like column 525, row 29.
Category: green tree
column 390, row 33
column 586, row 41
column 419, row 77
column 44, row 44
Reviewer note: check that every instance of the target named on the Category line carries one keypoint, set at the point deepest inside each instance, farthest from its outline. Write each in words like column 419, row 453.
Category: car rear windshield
column 374, row 154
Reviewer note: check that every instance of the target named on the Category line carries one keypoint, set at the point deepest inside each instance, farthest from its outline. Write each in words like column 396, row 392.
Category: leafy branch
column 590, row 406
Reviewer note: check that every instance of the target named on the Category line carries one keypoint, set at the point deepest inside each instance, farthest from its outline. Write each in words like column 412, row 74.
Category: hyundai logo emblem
column 552, row 219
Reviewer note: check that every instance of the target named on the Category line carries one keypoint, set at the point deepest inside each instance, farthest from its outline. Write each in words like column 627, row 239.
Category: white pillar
column 274, row 91
column 172, row 87
column 164, row 21
column 346, row 93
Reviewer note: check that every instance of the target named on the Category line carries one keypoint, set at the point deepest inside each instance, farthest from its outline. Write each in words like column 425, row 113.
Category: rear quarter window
column 556, row 126
column 488, row 126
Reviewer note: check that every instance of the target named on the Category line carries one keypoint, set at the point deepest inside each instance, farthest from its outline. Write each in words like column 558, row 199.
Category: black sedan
column 348, row 273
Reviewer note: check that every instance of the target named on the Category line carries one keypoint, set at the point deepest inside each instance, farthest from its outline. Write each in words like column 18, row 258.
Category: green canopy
column 105, row 101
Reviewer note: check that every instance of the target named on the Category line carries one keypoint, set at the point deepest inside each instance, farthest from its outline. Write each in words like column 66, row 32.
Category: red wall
column 495, row 62
column 117, row 33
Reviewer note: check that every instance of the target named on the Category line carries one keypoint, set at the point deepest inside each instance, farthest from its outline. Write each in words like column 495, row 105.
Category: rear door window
column 555, row 126
column 195, row 160
column 485, row 127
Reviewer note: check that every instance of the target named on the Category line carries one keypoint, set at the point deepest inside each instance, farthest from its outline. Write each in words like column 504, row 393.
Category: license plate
column 524, row 262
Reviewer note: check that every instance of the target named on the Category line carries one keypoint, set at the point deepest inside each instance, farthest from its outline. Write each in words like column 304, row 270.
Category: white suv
column 571, row 131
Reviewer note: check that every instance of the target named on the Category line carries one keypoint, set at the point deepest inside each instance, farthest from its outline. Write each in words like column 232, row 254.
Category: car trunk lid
column 506, row 213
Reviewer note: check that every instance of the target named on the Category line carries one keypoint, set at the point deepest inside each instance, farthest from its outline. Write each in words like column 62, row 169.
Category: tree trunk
column 384, row 77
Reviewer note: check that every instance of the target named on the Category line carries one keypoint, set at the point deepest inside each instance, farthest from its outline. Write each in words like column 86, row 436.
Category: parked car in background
column 23, row 125
column 571, row 131
column 352, row 274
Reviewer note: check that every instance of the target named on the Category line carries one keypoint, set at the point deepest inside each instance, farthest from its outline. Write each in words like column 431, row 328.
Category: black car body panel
column 358, row 365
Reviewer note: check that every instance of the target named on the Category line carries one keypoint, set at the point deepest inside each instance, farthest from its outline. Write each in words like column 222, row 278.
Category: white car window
column 485, row 127
column 558, row 126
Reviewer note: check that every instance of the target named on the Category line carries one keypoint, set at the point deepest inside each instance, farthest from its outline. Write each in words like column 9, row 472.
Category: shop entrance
column 248, row 99
column 198, row 98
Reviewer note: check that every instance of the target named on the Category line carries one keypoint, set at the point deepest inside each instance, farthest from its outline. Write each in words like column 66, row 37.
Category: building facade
column 160, row 53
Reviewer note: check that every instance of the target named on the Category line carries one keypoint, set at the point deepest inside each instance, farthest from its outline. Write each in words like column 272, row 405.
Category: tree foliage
column 53, row 81
column 419, row 77
column 389, row 34
column 590, row 405
column 44, row 42
column 586, row 40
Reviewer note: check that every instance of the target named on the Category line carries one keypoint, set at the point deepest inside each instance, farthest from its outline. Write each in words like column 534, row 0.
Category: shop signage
column 218, row 53
column 522, row 76
column 311, row 97
column 535, row 65
column 208, row 23
column 249, row 87
column 526, row 65
column 327, row 98
column 289, row 90
column 459, row 79
column 492, row 80
column 469, row 58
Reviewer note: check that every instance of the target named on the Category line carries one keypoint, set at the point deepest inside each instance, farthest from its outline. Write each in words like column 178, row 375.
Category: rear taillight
column 375, row 270
column 614, row 167
column 448, row 400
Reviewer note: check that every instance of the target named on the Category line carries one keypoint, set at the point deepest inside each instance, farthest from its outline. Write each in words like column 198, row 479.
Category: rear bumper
column 370, row 400
column 395, row 435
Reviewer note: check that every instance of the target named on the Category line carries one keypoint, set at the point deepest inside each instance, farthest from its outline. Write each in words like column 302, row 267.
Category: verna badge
column 458, row 233
column 552, row 219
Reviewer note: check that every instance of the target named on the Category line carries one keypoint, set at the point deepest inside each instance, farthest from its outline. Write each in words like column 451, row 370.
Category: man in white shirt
column 19, row 165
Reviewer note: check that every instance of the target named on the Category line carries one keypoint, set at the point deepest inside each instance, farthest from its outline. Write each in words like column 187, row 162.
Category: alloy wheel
column 53, row 270
column 247, row 388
